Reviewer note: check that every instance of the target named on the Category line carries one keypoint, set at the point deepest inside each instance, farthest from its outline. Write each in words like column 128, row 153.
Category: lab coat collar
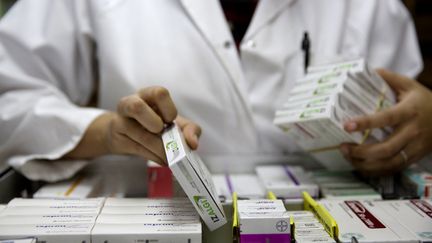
column 210, row 20
column 208, row 17
column 265, row 12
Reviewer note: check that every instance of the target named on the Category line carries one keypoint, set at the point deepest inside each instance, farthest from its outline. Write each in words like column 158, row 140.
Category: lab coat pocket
column 294, row 69
column 325, row 59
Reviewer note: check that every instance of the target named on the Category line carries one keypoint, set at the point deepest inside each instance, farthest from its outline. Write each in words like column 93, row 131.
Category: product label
column 425, row 207
column 206, row 207
column 173, row 149
column 282, row 226
column 364, row 215
column 311, row 112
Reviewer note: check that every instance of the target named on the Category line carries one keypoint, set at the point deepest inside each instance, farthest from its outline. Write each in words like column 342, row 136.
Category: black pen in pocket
column 305, row 46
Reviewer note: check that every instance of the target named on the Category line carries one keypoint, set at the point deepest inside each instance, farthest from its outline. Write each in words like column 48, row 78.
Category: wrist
column 101, row 133
column 95, row 141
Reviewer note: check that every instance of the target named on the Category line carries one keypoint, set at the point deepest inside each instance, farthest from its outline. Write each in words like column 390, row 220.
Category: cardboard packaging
column 147, row 210
column 315, row 239
column 194, row 177
column 367, row 222
column 247, row 186
column 308, row 228
column 148, row 218
column 261, row 205
column 159, row 181
column 414, row 215
column 126, row 202
column 223, row 189
column 56, row 202
column 147, row 232
column 261, row 226
column 48, row 219
column 82, row 186
column 121, row 220
column 263, row 220
column 418, row 180
column 44, row 210
column 286, row 181
column 48, row 233
column 28, row 240
column 343, row 185
column 319, row 103
column 358, row 194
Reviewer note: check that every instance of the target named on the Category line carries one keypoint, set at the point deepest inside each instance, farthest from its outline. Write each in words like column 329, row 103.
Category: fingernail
column 195, row 140
column 351, row 126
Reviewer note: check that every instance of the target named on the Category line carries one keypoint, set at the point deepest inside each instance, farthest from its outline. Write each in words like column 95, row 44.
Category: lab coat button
column 227, row 44
column 250, row 43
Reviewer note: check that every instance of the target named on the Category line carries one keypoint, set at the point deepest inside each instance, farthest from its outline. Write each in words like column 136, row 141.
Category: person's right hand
column 136, row 127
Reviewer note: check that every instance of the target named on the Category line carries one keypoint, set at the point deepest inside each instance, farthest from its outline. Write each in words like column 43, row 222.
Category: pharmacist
column 139, row 64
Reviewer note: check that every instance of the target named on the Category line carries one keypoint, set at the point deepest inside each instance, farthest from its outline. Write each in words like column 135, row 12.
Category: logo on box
column 205, row 206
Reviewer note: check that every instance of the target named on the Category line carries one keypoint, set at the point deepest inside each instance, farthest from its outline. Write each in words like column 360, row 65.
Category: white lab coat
column 56, row 53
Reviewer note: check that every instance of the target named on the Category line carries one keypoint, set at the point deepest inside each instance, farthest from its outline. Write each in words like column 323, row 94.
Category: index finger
column 389, row 117
column 160, row 100
column 134, row 107
column 396, row 81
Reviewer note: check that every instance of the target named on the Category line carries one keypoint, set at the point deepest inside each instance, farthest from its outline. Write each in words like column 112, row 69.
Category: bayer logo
column 281, row 226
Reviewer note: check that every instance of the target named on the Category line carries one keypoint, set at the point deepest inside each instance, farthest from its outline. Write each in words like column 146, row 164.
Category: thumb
column 396, row 81
column 191, row 131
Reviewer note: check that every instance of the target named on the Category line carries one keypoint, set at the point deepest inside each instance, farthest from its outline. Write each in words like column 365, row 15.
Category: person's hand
column 136, row 127
column 411, row 119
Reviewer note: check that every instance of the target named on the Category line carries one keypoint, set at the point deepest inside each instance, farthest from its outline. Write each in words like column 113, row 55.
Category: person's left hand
column 411, row 119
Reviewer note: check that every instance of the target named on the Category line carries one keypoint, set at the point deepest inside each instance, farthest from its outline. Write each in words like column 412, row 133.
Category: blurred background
column 421, row 10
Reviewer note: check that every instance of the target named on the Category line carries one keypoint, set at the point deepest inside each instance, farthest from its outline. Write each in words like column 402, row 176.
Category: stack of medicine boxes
column 308, row 229
column 317, row 106
column 408, row 221
column 50, row 220
column 89, row 220
column 147, row 220
column 263, row 220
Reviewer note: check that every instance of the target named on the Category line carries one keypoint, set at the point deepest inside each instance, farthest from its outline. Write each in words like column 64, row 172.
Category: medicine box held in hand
column 319, row 104
column 194, row 177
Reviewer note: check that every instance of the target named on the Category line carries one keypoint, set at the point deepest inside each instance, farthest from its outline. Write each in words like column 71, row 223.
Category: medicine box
column 415, row 215
column 147, row 232
column 82, row 186
column 286, row 181
column 247, row 186
column 194, row 177
column 48, row 233
column 263, row 220
column 366, row 221
column 319, row 104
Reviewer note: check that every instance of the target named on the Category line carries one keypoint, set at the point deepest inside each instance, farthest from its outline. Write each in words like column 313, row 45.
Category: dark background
column 421, row 10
